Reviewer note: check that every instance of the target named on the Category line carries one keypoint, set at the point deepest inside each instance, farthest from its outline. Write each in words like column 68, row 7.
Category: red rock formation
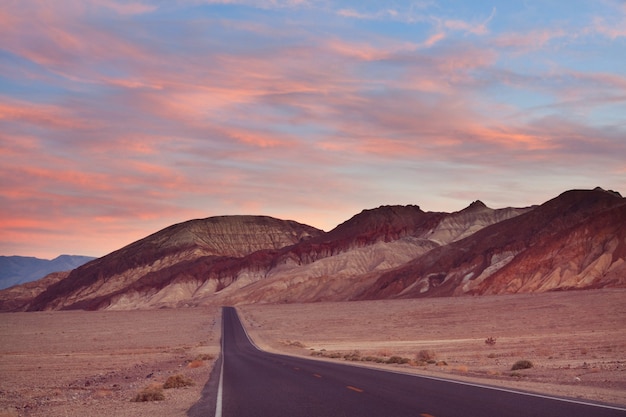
column 576, row 240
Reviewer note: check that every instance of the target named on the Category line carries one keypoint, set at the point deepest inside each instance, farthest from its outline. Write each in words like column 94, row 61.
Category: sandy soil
column 76, row 363
column 88, row 364
column 575, row 340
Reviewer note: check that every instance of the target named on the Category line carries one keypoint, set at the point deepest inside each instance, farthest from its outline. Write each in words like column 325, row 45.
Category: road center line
column 317, row 375
column 355, row 389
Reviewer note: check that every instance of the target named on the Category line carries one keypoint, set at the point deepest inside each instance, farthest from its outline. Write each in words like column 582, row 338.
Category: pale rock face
column 469, row 221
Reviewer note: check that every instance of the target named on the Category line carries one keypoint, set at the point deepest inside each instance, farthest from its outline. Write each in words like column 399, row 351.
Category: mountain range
column 16, row 270
column 576, row 240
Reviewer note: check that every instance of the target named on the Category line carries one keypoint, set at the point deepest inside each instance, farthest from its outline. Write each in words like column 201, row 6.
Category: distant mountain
column 16, row 270
column 575, row 241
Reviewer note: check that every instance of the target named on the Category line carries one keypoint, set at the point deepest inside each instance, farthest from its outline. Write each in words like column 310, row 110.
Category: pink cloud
column 41, row 115
column 524, row 42
column 126, row 9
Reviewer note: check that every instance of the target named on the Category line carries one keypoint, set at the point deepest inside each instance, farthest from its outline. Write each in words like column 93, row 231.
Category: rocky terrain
column 575, row 241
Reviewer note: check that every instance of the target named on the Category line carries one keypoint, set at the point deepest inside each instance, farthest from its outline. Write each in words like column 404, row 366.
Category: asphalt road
column 256, row 383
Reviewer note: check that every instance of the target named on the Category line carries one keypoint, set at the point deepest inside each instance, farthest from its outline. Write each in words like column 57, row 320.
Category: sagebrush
column 522, row 364
column 153, row 392
column 178, row 381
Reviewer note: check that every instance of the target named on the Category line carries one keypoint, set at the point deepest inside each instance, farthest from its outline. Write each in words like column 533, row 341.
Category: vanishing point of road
column 261, row 384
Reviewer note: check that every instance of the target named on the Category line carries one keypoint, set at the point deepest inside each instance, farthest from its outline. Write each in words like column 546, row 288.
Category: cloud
column 126, row 8
column 112, row 126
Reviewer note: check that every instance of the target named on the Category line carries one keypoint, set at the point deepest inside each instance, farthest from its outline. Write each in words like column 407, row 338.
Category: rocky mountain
column 146, row 266
column 16, row 270
column 574, row 241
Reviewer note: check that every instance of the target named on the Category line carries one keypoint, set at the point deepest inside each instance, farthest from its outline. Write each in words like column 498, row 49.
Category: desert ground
column 78, row 363
column 575, row 340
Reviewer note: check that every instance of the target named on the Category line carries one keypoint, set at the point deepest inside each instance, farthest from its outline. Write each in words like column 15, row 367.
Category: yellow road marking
column 426, row 415
column 317, row 375
column 355, row 389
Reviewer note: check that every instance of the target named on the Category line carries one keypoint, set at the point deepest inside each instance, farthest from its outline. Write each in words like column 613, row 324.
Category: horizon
column 120, row 118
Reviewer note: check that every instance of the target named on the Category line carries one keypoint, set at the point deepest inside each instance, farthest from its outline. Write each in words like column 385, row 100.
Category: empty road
column 256, row 383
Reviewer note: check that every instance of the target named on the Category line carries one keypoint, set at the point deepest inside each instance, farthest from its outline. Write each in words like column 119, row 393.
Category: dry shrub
column 384, row 352
column 204, row 357
column 177, row 381
column 426, row 355
column 195, row 364
column 355, row 355
column 398, row 360
column 153, row 392
column 294, row 343
column 522, row 364
column 461, row 368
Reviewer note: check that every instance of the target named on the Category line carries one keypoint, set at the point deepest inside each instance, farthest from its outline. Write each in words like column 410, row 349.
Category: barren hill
column 574, row 241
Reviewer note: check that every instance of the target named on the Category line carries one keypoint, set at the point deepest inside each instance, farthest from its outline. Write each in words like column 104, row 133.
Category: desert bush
column 426, row 355
column 461, row 368
column 204, row 357
column 177, row 381
column 153, row 392
column 490, row 341
column 522, row 364
column 353, row 356
column 397, row 359
column 195, row 364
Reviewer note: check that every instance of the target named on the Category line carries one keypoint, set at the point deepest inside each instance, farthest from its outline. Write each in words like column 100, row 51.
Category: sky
column 119, row 118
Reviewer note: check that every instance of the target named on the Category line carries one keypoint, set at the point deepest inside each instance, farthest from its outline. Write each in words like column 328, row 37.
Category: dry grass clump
column 426, row 355
column 178, row 381
column 153, row 392
column 199, row 360
column 355, row 356
column 195, row 364
column 294, row 343
column 204, row 357
column 522, row 364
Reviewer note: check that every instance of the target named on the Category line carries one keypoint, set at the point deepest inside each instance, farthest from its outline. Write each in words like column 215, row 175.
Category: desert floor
column 77, row 363
column 575, row 340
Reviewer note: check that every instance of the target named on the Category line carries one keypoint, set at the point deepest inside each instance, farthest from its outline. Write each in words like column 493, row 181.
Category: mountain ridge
column 386, row 252
column 15, row 270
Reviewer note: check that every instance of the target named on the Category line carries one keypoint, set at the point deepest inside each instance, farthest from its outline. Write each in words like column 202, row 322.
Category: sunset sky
column 120, row 118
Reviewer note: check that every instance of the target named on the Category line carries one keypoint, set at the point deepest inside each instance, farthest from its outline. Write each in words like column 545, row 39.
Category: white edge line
column 218, row 400
column 471, row 384
column 492, row 387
